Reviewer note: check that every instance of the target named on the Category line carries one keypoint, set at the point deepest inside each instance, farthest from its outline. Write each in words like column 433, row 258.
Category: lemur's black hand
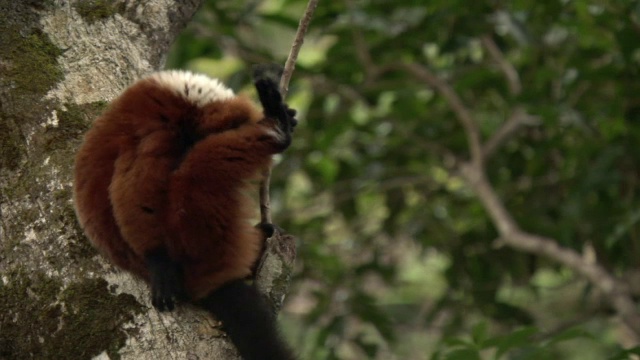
column 291, row 113
column 266, row 78
column 270, row 98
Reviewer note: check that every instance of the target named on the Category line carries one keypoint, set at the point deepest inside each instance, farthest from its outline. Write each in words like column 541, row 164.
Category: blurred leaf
column 569, row 334
column 282, row 20
column 516, row 339
column 366, row 307
column 463, row 354
column 626, row 354
column 479, row 333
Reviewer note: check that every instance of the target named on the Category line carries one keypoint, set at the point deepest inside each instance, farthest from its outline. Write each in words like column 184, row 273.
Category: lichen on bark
column 30, row 68
column 94, row 10
column 41, row 319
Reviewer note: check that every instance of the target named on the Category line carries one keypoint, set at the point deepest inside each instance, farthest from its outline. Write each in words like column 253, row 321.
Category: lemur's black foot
column 267, row 229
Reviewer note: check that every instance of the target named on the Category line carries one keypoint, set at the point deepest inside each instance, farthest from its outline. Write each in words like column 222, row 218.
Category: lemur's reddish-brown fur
column 158, row 171
column 162, row 185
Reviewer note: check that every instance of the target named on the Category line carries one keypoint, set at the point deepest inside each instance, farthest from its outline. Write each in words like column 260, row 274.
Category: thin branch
column 518, row 118
column 265, row 201
column 362, row 51
column 462, row 113
column 322, row 84
column 364, row 55
column 617, row 292
column 295, row 47
column 581, row 89
column 579, row 320
column 449, row 158
column 509, row 71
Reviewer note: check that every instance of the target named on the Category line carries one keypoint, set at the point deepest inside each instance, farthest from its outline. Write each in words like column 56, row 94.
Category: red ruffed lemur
column 161, row 188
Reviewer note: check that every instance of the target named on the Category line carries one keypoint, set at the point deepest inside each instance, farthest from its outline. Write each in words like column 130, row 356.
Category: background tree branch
column 463, row 114
column 474, row 172
column 519, row 118
column 616, row 292
column 509, row 71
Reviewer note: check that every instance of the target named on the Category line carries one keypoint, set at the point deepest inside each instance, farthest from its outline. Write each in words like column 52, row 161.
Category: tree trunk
column 60, row 63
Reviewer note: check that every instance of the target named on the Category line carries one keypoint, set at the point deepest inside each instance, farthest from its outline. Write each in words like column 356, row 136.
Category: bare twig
column 295, row 47
column 584, row 316
column 364, row 55
column 616, row 291
column 459, row 108
column 323, row 85
column 518, row 118
column 361, row 49
column 513, row 79
column 265, row 201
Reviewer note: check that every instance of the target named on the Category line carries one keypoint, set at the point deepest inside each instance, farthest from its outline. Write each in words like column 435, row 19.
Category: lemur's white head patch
column 196, row 88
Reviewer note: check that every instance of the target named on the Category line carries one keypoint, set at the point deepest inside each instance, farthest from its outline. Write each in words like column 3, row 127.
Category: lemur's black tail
column 248, row 321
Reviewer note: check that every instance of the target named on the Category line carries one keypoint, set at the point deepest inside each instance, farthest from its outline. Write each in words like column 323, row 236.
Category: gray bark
column 60, row 63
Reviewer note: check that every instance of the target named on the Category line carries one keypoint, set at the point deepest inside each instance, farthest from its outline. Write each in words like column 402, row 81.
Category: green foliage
column 523, row 343
column 397, row 256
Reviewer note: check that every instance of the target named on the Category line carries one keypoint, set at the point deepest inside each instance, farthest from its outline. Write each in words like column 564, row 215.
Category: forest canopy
column 464, row 177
